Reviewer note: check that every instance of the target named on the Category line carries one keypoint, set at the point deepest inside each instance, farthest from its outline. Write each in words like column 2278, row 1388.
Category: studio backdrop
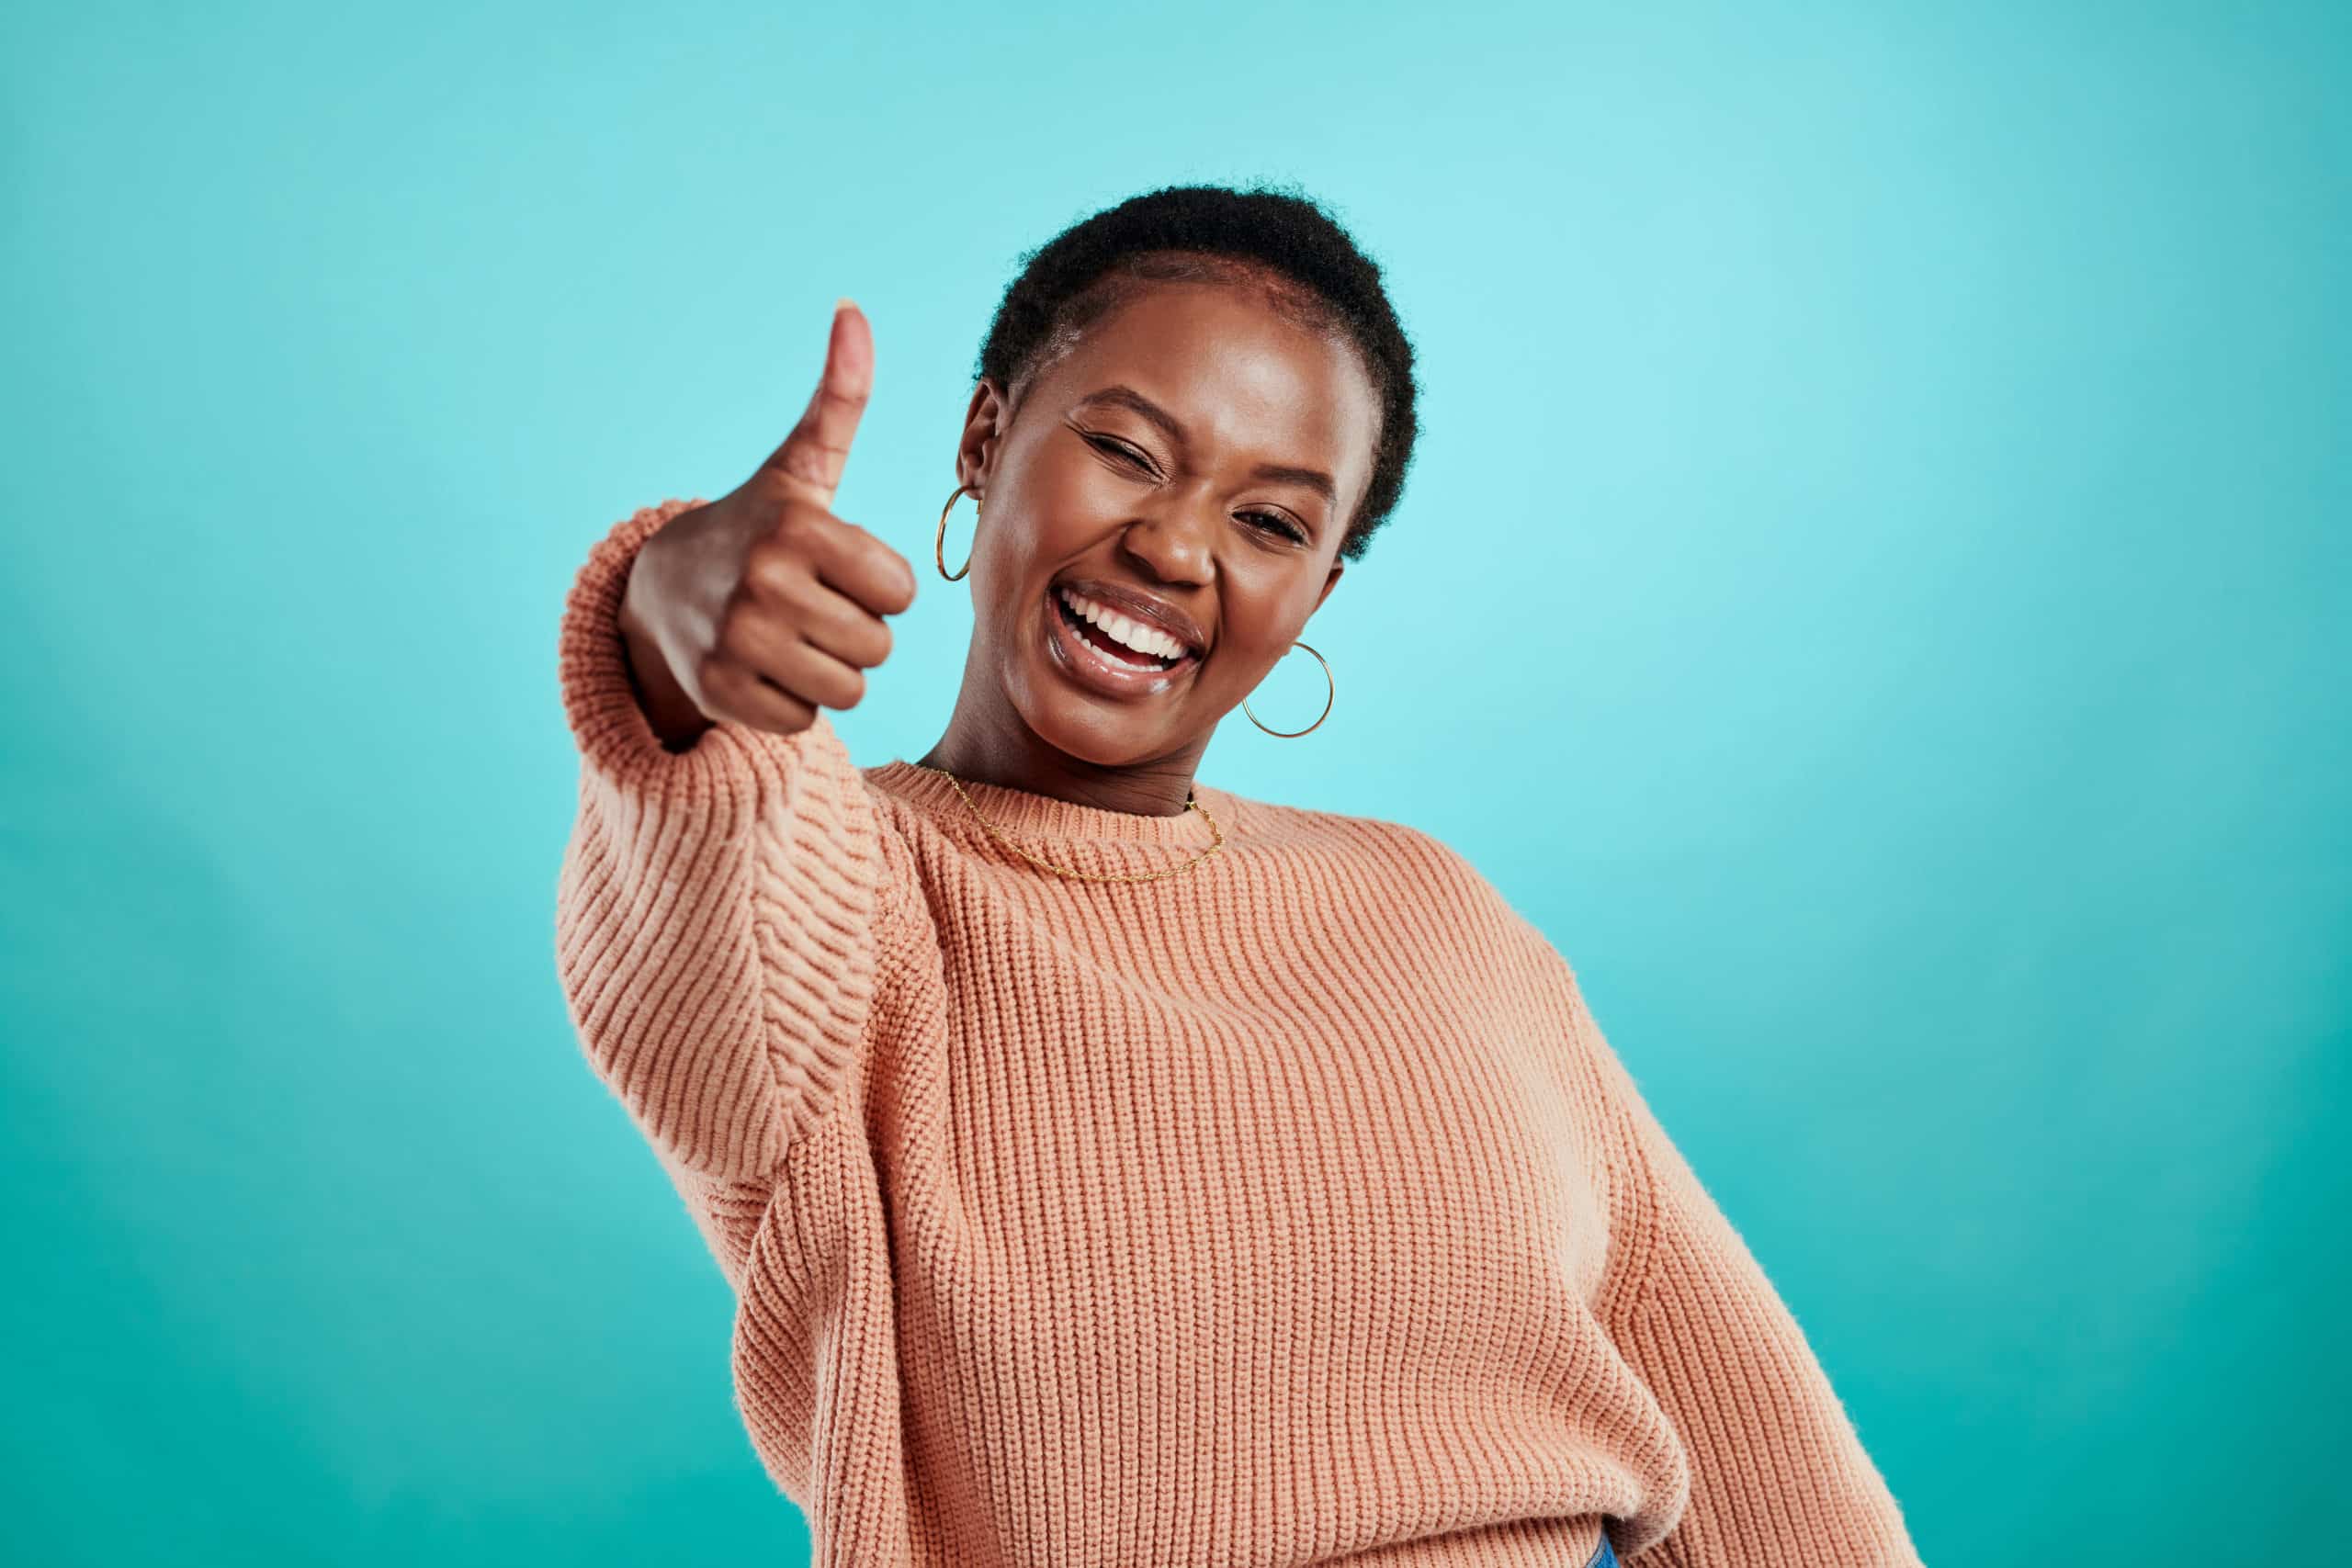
column 1871, row 589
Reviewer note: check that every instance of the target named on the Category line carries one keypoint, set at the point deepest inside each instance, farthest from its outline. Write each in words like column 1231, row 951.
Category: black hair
column 1312, row 269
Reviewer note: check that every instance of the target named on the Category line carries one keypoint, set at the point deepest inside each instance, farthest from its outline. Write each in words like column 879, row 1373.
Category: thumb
column 809, row 465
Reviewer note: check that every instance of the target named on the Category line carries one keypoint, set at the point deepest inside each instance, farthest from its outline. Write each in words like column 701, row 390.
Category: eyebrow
column 1126, row 397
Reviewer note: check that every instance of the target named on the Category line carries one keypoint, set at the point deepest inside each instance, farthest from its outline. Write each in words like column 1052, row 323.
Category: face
column 1189, row 466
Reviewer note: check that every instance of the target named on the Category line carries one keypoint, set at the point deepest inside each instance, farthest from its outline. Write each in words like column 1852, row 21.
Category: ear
column 1330, row 584
column 984, row 421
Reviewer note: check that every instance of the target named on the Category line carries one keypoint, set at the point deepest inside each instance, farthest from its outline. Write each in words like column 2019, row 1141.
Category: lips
column 1146, row 609
column 1125, row 674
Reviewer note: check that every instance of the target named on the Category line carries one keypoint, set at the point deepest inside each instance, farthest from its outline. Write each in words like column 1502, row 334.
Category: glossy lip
column 1093, row 668
column 1136, row 604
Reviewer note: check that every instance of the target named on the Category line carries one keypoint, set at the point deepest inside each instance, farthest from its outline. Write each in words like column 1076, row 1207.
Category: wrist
column 669, row 711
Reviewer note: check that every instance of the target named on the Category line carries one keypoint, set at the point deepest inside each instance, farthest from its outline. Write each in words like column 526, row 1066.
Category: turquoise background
column 1873, row 589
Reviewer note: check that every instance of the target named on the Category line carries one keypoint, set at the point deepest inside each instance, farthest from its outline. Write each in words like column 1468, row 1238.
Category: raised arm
column 717, row 907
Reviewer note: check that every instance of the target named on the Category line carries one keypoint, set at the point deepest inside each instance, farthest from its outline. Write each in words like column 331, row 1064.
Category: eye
column 1267, row 522
column 1120, row 449
column 1281, row 525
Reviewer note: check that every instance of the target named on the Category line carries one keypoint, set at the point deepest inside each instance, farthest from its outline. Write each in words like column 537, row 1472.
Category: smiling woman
column 1101, row 1186
column 1190, row 462
column 1190, row 411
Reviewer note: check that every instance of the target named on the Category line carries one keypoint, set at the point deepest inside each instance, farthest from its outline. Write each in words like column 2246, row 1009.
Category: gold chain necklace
column 1192, row 803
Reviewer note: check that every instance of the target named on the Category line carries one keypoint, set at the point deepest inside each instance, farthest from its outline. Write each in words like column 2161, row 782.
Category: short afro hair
column 1275, row 236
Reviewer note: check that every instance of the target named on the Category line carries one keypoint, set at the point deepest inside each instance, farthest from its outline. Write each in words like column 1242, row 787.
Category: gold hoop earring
column 1293, row 734
column 939, row 543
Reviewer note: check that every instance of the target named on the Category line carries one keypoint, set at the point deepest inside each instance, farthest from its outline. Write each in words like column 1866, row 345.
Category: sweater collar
column 1033, row 818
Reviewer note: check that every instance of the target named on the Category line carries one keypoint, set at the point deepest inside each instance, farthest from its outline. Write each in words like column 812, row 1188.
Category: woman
column 1112, row 1168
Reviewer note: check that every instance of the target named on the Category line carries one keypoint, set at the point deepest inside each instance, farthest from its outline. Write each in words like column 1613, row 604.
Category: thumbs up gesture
column 762, row 606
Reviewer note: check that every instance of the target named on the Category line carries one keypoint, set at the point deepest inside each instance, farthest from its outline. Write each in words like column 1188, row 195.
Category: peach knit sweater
column 1292, row 1210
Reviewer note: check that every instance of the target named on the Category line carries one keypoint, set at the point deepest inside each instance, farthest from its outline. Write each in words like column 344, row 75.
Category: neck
column 1012, row 755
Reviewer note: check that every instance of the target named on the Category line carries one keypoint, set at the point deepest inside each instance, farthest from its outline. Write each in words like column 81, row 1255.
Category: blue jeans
column 1604, row 1555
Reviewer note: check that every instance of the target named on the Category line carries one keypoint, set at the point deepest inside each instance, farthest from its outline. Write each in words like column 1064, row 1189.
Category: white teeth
column 1133, row 634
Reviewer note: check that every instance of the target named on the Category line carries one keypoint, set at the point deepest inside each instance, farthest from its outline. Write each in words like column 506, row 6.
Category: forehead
column 1234, row 372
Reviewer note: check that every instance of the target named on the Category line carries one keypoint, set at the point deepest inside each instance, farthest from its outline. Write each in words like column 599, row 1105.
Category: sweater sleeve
column 1778, row 1473
column 716, row 909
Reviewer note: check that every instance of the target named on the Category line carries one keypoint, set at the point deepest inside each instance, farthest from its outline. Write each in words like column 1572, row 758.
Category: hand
column 762, row 606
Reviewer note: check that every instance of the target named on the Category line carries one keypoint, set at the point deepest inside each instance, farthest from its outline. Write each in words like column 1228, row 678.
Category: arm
column 716, row 910
column 1778, row 1472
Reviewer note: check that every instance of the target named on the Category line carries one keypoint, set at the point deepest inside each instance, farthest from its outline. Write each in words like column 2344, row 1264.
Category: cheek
column 1043, row 517
column 1253, row 633
column 1071, row 491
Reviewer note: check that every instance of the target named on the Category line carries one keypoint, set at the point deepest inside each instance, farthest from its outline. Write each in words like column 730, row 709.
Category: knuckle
column 793, row 528
column 808, row 456
column 830, row 394
column 712, row 671
column 780, row 713
column 899, row 578
column 733, row 641
column 768, row 570
column 891, row 578
column 739, row 612
column 780, row 565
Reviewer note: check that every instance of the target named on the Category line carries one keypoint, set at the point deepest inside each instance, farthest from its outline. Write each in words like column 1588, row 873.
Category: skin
column 763, row 606
column 1248, row 558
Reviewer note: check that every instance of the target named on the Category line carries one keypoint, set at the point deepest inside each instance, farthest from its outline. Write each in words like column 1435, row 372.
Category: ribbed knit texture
column 1292, row 1210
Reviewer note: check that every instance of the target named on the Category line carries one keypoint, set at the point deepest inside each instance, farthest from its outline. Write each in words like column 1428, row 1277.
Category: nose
column 1173, row 541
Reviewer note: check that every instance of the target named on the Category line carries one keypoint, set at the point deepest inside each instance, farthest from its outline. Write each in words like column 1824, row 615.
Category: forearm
column 716, row 908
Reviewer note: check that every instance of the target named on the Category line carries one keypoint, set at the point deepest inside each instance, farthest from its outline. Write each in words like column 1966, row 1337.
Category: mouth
column 1100, row 655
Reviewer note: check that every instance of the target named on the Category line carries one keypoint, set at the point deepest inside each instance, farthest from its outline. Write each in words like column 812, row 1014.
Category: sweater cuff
column 599, row 703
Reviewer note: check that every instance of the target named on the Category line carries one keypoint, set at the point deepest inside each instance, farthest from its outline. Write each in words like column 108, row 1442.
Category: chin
column 1083, row 730
column 1085, row 702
